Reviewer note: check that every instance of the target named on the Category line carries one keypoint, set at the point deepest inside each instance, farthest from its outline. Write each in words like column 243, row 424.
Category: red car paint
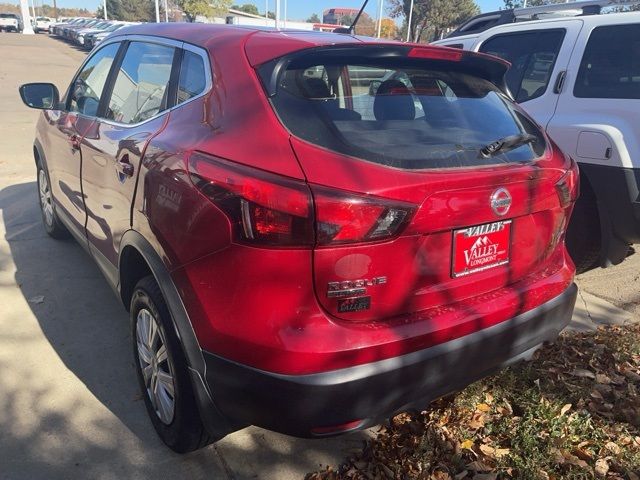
column 267, row 307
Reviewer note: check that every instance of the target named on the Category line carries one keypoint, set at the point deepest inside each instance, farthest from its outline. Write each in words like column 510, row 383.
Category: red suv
column 311, row 231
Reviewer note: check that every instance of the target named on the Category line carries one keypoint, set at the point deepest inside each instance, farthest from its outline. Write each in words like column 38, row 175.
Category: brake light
column 568, row 187
column 345, row 218
column 263, row 208
column 268, row 209
column 437, row 53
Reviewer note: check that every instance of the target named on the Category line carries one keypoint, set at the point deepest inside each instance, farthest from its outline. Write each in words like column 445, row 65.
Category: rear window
column 8, row 15
column 610, row 67
column 399, row 112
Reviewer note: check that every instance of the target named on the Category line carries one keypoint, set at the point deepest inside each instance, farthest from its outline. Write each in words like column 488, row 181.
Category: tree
column 206, row 8
column 509, row 4
column 129, row 10
column 432, row 17
column 247, row 8
column 314, row 18
column 388, row 28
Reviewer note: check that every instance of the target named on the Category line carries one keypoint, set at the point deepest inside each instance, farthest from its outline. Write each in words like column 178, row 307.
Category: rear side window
column 610, row 67
column 141, row 87
column 532, row 56
column 398, row 112
column 86, row 90
column 193, row 79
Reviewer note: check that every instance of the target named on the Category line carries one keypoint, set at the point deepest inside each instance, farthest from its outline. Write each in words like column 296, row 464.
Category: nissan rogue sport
column 311, row 231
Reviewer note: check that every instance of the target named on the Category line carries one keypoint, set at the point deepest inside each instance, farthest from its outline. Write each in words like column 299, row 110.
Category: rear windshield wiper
column 507, row 143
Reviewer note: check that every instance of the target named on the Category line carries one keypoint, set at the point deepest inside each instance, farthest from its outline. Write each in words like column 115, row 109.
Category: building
column 336, row 16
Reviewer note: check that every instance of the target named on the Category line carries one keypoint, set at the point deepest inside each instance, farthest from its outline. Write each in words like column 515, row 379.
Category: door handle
column 124, row 167
column 75, row 140
column 557, row 88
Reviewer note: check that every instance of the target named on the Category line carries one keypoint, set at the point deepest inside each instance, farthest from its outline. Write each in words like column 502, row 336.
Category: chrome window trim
column 202, row 52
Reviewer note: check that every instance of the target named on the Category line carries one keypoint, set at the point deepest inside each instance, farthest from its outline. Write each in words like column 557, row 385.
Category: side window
column 532, row 56
column 610, row 67
column 141, row 86
column 86, row 90
column 193, row 79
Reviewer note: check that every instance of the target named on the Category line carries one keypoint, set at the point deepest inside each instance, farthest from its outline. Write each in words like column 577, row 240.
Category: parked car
column 287, row 260
column 580, row 78
column 78, row 36
column 56, row 27
column 9, row 22
column 93, row 39
column 41, row 24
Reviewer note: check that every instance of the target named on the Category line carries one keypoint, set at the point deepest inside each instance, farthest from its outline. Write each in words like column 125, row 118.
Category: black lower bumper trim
column 372, row 392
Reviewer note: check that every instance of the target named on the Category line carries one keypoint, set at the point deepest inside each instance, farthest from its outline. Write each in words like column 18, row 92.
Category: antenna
column 352, row 28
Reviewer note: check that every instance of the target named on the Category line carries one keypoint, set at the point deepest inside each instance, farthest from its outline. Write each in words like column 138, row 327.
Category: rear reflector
column 335, row 429
column 568, row 187
column 268, row 209
column 437, row 53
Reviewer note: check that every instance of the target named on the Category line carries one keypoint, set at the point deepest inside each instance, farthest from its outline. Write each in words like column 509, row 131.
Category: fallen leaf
column 502, row 452
column 487, row 450
column 461, row 475
column 602, row 467
column 468, row 444
column 483, row 407
column 603, row 379
column 582, row 373
column 613, row 448
column 565, row 409
column 477, row 421
column 485, row 476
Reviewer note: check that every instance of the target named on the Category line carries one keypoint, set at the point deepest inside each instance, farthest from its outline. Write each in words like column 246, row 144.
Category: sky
column 297, row 9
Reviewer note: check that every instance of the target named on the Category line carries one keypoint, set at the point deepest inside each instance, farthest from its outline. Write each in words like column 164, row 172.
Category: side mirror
column 43, row 96
column 373, row 87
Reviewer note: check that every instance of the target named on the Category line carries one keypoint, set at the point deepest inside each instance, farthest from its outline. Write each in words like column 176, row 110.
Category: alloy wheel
column 45, row 197
column 155, row 365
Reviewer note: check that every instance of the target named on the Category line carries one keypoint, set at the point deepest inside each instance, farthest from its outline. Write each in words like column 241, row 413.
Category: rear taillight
column 263, row 208
column 346, row 218
column 268, row 209
column 568, row 187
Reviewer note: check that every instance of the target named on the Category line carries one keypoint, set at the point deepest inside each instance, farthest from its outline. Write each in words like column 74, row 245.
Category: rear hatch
column 430, row 186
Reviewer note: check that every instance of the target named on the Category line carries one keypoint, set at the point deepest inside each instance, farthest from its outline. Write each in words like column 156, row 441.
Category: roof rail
column 485, row 21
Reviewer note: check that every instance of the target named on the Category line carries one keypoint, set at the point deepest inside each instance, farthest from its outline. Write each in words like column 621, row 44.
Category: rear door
column 539, row 55
column 134, row 109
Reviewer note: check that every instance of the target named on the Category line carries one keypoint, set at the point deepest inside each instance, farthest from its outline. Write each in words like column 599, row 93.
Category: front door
column 64, row 159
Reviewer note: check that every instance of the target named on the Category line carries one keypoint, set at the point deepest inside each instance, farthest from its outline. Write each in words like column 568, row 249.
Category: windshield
column 8, row 15
column 411, row 114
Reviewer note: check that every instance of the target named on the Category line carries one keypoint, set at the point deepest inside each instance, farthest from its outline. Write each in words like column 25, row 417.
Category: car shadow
column 88, row 328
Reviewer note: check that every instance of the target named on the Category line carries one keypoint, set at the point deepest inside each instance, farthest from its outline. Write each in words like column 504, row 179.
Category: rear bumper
column 296, row 404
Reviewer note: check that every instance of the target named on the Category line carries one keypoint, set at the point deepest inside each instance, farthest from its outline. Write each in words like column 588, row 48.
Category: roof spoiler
column 484, row 66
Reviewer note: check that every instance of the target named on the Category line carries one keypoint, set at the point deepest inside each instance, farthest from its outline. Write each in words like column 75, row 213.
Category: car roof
column 260, row 43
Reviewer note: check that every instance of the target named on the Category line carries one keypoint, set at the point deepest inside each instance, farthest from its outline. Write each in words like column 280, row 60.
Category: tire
column 52, row 224
column 178, row 422
column 583, row 234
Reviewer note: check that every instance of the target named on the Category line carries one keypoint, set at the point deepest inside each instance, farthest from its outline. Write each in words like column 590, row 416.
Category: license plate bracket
column 481, row 247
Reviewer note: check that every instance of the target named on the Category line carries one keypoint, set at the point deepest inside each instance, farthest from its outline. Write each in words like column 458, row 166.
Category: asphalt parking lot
column 69, row 402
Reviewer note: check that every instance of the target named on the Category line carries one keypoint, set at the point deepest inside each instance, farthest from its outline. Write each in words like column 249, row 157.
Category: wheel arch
column 138, row 257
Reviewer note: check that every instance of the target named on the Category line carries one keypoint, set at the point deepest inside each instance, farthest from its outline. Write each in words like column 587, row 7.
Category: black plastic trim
column 372, row 392
column 215, row 423
column 617, row 192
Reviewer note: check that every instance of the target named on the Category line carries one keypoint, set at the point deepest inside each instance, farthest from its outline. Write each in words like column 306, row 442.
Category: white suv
column 579, row 77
